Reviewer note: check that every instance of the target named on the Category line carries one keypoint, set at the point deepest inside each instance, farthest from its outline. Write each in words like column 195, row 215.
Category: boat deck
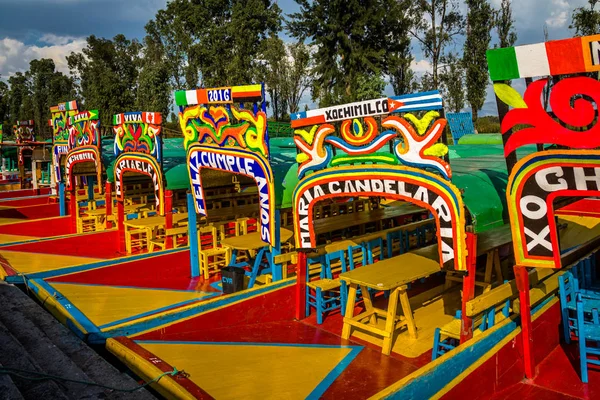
column 558, row 378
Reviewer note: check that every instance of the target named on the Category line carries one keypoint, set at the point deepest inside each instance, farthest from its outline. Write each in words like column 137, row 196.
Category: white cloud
column 559, row 14
column 16, row 55
column 421, row 66
column 53, row 39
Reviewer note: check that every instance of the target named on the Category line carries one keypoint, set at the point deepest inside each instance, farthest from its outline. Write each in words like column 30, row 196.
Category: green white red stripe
column 84, row 116
column 557, row 57
column 224, row 95
column 153, row 118
column 67, row 106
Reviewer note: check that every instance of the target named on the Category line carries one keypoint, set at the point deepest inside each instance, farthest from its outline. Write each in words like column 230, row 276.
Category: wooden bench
column 285, row 260
column 393, row 274
column 175, row 233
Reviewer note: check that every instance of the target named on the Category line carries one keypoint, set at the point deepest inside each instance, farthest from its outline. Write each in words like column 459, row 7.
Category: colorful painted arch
column 422, row 188
column 536, row 181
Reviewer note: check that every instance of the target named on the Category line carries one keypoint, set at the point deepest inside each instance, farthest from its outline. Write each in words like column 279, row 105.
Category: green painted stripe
column 181, row 98
column 502, row 64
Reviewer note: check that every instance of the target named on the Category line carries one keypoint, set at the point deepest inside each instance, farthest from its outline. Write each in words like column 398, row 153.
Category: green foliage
column 369, row 87
column 286, row 71
column 154, row 90
column 107, row 73
column 4, row 104
column 441, row 24
column 586, row 21
column 298, row 75
column 48, row 88
column 505, row 25
column 452, row 78
column 480, row 18
column 489, row 124
column 273, row 74
column 356, row 41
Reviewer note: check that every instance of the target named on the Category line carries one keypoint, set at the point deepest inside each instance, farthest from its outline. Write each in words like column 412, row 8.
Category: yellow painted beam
column 147, row 371
column 106, row 304
column 292, row 371
column 4, row 239
column 505, row 291
column 27, row 263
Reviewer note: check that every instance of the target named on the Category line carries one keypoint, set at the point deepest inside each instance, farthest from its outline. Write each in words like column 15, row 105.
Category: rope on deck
column 40, row 376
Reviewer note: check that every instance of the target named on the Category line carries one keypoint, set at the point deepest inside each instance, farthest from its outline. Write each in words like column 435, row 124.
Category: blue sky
column 53, row 28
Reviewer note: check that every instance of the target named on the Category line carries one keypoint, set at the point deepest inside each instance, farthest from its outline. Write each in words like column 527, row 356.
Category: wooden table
column 339, row 222
column 393, row 274
column 149, row 225
column 252, row 242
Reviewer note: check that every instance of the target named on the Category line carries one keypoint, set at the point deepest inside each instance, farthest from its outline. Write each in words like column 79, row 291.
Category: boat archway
column 416, row 186
column 236, row 161
column 142, row 164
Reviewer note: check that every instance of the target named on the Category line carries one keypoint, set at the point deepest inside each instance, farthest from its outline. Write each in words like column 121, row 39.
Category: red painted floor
column 558, row 378
column 169, row 271
column 366, row 375
column 334, row 322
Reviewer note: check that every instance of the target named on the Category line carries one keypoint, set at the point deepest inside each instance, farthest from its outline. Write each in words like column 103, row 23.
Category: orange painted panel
column 591, row 52
column 565, row 56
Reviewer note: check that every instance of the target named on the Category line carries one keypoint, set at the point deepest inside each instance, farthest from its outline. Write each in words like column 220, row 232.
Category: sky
column 31, row 29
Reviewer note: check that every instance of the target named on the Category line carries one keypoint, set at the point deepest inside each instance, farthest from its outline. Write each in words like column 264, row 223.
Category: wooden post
column 121, row 226
column 169, row 217
column 522, row 278
column 90, row 182
column 108, row 201
column 301, row 274
column 193, row 237
column 74, row 208
column 468, row 294
column 62, row 201
column 34, row 174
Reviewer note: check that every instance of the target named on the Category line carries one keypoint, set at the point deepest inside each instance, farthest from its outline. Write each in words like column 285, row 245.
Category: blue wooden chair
column 588, row 331
column 328, row 293
column 373, row 248
column 323, row 294
column 460, row 124
column 585, row 273
column 568, row 287
column 451, row 331
column 397, row 236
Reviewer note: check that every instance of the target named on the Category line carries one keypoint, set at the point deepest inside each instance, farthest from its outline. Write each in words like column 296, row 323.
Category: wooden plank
column 344, row 221
column 541, row 291
column 505, row 291
column 393, row 272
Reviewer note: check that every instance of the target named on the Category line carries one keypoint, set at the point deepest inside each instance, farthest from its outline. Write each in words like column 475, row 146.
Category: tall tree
column 402, row 76
column 507, row 36
column 107, row 74
column 19, row 98
column 4, row 103
column 216, row 42
column 452, row 77
column 586, row 21
column 48, row 87
column 401, row 18
column 299, row 75
column 479, row 20
column 352, row 40
column 273, row 75
column 169, row 28
column 154, row 89
column 441, row 24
